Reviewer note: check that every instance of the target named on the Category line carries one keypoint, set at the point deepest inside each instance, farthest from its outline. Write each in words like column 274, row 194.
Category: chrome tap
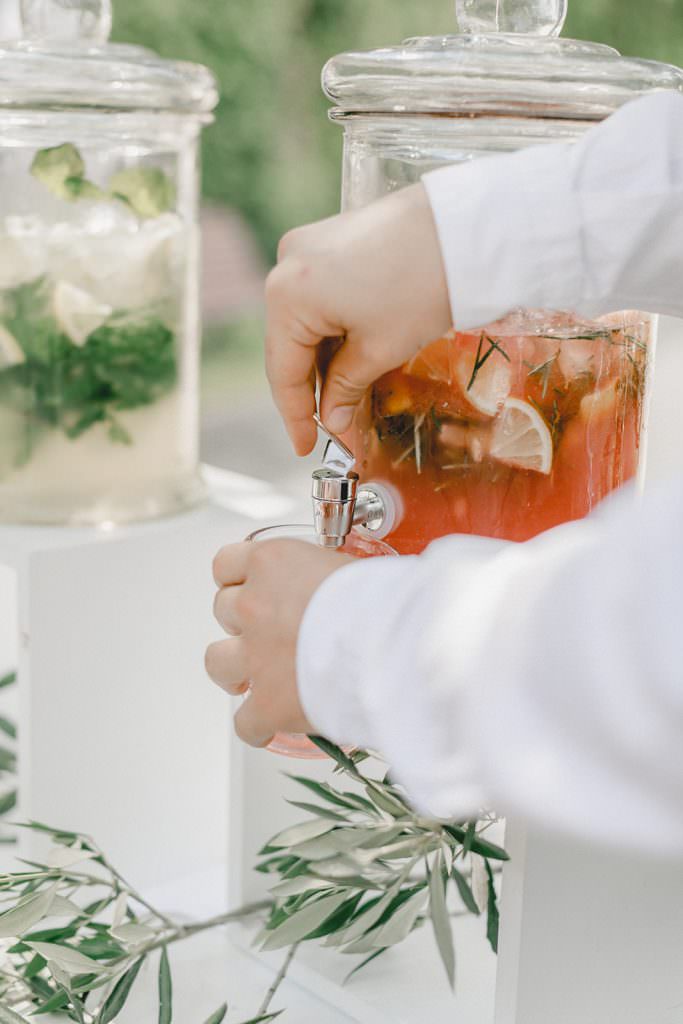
column 340, row 502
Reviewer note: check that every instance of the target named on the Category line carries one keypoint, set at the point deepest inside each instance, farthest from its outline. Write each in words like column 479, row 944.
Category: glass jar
column 99, row 272
column 359, row 545
column 517, row 426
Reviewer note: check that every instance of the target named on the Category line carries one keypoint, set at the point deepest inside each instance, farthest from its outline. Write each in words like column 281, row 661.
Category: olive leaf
column 67, row 856
column 219, row 1016
column 441, row 921
column 132, row 934
column 466, row 894
column 301, row 924
column 70, row 960
column 26, row 913
column 165, row 989
column 118, row 997
column 493, row 916
column 403, row 921
column 300, row 834
column 480, row 882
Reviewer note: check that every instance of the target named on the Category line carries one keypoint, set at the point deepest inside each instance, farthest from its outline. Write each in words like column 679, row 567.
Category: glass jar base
column 168, row 498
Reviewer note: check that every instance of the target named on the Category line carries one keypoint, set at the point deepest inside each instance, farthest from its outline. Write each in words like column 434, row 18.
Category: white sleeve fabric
column 544, row 679
column 593, row 227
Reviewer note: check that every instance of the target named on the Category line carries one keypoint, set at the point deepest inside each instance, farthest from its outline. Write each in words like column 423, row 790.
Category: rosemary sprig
column 482, row 359
column 543, row 372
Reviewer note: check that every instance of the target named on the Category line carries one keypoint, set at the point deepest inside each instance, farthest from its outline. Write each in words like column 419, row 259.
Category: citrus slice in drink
column 11, row 352
column 433, row 362
column 77, row 312
column 521, row 438
column 483, row 373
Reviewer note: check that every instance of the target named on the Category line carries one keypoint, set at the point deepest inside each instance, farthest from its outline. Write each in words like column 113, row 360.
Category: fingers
column 225, row 663
column 230, row 564
column 349, row 375
column 291, row 372
column 226, row 610
column 294, row 329
column 252, row 723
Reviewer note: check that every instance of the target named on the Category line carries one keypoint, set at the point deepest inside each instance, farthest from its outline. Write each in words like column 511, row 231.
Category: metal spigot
column 340, row 502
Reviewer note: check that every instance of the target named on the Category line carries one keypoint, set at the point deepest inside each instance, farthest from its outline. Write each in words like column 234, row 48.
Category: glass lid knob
column 518, row 17
column 66, row 20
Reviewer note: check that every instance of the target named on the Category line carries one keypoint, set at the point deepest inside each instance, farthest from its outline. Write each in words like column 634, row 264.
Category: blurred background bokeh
column 272, row 159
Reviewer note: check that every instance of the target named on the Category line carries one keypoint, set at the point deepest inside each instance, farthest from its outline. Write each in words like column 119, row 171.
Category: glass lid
column 506, row 59
column 64, row 60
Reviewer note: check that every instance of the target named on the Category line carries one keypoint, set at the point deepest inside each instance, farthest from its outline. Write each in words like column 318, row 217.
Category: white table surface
column 398, row 988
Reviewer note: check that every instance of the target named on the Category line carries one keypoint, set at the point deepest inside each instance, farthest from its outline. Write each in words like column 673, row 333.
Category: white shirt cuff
column 510, row 233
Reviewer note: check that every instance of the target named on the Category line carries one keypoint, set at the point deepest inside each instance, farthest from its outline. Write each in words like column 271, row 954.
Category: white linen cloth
column 544, row 679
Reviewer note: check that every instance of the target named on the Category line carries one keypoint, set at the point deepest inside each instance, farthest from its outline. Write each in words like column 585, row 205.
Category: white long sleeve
column 546, row 678
column 592, row 227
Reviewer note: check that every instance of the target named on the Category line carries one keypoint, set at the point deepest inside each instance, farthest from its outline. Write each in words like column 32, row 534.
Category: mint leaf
column 147, row 190
column 123, row 364
column 56, row 166
column 80, row 188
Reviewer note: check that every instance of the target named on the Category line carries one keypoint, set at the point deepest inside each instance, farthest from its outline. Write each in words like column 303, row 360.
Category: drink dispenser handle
column 340, row 502
column 86, row 21
column 518, row 17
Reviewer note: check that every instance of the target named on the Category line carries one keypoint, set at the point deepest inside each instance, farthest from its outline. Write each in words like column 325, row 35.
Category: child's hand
column 373, row 277
column 264, row 591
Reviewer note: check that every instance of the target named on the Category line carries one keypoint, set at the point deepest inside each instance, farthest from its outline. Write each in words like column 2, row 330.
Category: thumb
column 348, row 377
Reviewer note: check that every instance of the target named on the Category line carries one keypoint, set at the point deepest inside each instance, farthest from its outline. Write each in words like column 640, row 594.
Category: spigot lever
column 339, row 503
column 337, row 456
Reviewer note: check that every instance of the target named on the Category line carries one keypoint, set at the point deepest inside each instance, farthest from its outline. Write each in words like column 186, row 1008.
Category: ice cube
column 132, row 265
column 97, row 217
column 23, row 256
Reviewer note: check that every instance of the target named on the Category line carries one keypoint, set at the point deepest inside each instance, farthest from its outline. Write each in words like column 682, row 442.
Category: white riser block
column 588, row 936
column 121, row 734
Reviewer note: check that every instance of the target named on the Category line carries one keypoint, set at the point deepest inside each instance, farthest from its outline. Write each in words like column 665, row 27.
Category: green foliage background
column 272, row 153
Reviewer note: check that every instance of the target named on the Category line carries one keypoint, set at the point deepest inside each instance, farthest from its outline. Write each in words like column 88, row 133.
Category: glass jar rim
column 306, row 532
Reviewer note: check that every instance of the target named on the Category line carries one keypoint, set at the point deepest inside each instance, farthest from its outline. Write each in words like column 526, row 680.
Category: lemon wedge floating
column 522, row 438
column 77, row 312
column 488, row 388
column 11, row 352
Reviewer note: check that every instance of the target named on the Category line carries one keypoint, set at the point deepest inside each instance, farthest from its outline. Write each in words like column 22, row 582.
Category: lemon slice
column 77, row 313
column 521, row 438
column 487, row 388
column 11, row 352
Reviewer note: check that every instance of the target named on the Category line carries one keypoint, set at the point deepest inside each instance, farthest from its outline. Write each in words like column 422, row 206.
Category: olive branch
column 361, row 873
column 364, row 870
column 76, row 934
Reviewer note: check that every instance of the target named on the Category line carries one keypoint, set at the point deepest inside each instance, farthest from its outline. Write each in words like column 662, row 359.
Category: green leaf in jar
column 80, row 188
column 58, row 165
column 62, row 170
column 147, row 190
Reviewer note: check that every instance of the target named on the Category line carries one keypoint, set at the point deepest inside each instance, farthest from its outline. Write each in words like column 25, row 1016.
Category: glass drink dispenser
column 517, row 426
column 99, row 318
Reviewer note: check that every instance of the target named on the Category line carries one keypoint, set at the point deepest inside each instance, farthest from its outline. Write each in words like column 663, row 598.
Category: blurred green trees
column 272, row 153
